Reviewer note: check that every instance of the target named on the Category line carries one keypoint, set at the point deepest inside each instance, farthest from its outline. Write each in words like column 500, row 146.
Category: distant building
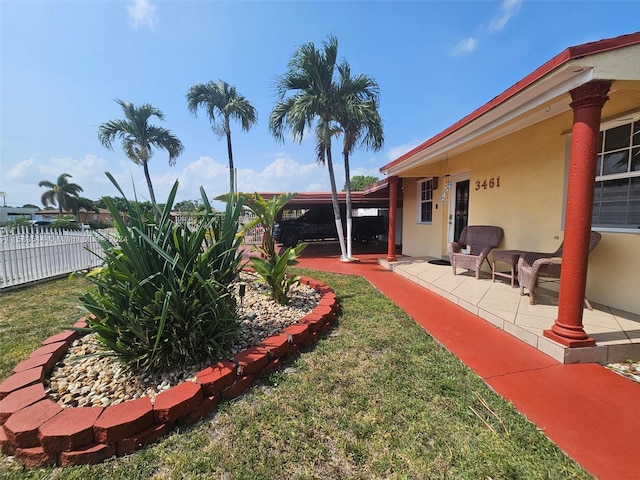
column 9, row 214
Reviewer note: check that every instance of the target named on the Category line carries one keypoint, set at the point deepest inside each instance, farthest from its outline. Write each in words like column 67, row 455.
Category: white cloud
column 395, row 152
column 286, row 175
column 283, row 174
column 465, row 45
column 21, row 169
column 508, row 9
column 142, row 12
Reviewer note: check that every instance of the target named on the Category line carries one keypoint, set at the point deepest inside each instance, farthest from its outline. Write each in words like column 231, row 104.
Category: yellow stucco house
column 554, row 156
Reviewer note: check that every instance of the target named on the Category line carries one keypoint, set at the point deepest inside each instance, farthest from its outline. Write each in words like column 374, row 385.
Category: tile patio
column 617, row 333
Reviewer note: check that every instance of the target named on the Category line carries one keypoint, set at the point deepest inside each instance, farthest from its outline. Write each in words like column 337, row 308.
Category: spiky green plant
column 265, row 211
column 274, row 272
column 271, row 267
column 163, row 297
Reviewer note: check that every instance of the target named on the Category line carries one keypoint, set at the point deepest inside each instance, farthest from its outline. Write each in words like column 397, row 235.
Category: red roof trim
column 563, row 57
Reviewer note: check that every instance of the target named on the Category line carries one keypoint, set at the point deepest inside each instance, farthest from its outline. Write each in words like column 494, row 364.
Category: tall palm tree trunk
column 336, row 205
column 145, row 166
column 348, row 206
column 230, row 154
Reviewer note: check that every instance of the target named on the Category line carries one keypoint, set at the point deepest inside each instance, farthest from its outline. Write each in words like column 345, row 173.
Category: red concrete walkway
column 591, row 413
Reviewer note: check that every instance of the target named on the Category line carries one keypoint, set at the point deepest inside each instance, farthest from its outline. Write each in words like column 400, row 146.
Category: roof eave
column 547, row 82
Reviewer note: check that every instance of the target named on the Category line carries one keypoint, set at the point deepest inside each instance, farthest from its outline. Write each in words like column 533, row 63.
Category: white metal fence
column 28, row 254
column 253, row 236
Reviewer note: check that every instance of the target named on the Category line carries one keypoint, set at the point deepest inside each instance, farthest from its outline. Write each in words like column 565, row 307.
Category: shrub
column 163, row 297
column 66, row 222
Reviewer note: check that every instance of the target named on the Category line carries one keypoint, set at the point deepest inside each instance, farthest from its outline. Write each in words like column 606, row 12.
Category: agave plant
column 163, row 297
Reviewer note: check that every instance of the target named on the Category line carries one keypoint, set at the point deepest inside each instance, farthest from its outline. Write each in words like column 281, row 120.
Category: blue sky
column 64, row 62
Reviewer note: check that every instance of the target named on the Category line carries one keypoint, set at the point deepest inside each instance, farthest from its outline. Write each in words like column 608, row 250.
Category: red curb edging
column 20, row 380
column 22, row 427
column 41, row 433
column 177, row 402
column 70, row 429
column 123, row 420
column 19, row 399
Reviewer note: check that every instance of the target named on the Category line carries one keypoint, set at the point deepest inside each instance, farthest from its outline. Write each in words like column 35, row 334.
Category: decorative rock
column 37, row 429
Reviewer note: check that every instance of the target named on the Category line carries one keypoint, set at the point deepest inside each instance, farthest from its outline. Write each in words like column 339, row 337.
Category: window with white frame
column 425, row 200
column 617, row 191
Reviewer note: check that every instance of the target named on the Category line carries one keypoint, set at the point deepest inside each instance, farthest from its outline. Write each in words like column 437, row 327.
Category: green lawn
column 378, row 398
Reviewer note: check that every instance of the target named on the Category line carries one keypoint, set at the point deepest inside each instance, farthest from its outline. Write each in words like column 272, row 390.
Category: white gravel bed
column 89, row 376
column 629, row 369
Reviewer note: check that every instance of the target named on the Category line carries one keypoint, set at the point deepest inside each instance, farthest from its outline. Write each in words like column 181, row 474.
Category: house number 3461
column 488, row 183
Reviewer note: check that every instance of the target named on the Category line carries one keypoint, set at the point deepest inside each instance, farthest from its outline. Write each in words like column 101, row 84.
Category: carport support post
column 587, row 104
column 391, row 232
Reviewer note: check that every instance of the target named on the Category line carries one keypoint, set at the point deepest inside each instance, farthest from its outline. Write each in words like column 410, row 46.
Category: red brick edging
column 38, row 432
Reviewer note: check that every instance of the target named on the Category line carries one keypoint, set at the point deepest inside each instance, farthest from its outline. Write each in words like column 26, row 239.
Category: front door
column 458, row 205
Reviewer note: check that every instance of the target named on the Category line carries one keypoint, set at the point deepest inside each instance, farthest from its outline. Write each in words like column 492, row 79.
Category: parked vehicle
column 41, row 223
column 318, row 223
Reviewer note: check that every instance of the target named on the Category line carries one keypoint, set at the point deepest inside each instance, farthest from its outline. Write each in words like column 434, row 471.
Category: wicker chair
column 533, row 266
column 481, row 239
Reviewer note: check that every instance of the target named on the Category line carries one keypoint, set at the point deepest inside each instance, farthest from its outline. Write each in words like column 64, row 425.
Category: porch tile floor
column 617, row 333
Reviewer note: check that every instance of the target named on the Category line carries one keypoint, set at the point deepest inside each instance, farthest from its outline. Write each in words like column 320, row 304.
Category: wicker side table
column 508, row 256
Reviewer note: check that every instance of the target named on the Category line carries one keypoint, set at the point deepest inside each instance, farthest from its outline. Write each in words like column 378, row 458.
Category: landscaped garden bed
column 38, row 431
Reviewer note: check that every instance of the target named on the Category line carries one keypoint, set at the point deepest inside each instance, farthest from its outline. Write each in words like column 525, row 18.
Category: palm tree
column 62, row 193
column 222, row 99
column 360, row 122
column 139, row 138
column 318, row 98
